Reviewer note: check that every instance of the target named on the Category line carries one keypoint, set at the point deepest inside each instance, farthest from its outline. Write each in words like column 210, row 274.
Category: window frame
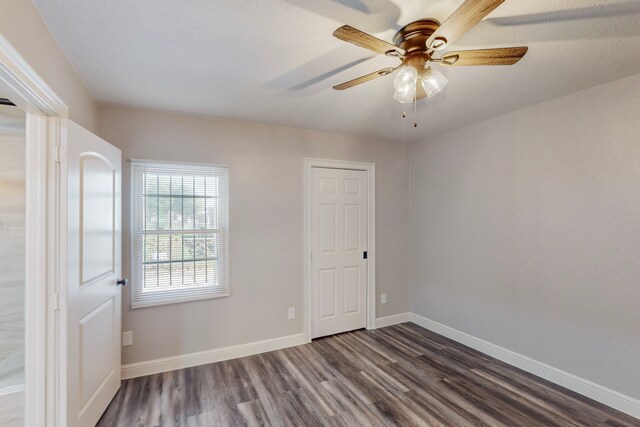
column 137, row 232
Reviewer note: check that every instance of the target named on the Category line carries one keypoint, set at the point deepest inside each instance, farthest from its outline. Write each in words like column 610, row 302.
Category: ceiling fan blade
column 364, row 40
column 466, row 16
column 500, row 56
column 364, row 79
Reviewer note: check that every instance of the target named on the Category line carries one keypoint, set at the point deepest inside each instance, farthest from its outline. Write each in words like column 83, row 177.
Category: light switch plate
column 292, row 313
column 127, row 338
column 383, row 298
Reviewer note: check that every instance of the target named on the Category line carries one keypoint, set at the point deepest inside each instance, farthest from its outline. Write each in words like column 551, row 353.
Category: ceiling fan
column 415, row 45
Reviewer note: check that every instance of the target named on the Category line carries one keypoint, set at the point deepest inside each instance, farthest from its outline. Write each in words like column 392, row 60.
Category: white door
column 339, row 241
column 94, row 262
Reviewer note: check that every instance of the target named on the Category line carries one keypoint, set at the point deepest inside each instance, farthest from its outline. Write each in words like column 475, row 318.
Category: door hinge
column 364, row 255
column 56, row 303
column 58, row 153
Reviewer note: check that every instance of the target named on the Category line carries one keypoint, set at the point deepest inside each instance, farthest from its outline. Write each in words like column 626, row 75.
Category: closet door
column 339, row 241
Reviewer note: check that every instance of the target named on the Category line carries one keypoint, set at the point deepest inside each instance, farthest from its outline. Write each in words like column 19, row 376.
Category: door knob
column 122, row 282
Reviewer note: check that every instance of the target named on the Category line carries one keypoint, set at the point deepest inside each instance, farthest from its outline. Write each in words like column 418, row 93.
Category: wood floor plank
column 350, row 406
column 312, row 395
column 398, row 375
column 253, row 413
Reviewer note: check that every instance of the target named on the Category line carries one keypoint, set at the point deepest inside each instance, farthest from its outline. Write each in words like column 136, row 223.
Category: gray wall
column 266, row 220
column 526, row 232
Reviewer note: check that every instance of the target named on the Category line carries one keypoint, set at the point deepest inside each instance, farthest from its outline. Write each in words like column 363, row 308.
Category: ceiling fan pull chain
column 415, row 109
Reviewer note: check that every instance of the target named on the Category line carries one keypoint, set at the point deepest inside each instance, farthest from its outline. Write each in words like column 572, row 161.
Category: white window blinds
column 179, row 232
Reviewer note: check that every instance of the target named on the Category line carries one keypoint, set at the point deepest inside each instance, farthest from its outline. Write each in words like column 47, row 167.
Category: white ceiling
column 275, row 61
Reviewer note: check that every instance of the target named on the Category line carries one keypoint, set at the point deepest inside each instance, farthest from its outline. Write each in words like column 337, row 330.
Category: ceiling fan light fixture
column 433, row 81
column 406, row 75
column 415, row 44
column 406, row 93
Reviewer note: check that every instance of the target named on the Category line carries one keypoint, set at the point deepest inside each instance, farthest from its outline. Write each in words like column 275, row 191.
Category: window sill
column 179, row 300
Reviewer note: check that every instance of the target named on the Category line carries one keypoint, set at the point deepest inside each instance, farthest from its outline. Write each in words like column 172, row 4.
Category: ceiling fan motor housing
column 412, row 38
column 414, row 35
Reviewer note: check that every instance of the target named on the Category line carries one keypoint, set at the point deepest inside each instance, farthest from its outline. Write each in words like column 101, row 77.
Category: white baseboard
column 614, row 399
column 394, row 319
column 209, row 356
column 166, row 364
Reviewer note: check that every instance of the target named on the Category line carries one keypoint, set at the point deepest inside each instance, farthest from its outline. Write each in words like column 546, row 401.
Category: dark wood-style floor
column 399, row 375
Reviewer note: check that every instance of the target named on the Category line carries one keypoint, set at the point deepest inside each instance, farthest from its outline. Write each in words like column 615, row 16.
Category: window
column 179, row 233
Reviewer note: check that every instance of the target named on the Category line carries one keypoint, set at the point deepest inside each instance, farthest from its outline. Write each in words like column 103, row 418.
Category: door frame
column 370, row 168
column 45, row 113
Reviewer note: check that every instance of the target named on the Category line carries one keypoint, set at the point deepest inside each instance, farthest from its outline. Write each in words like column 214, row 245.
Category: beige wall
column 24, row 29
column 526, row 232
column 266, row 219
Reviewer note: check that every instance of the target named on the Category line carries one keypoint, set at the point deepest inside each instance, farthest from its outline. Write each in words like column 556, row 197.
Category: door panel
column 328, row 231
column 96, row 342
column 339, row 238
column 327, row 293
column 328, row 185
column 351, row 227
column 97, row 204
column 351, row 186
column 351, row 290
column 94, row 265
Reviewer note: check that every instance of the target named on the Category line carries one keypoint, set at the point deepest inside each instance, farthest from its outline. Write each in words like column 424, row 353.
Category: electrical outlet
column 292, row 313
column 127, row 338
column 383, row 298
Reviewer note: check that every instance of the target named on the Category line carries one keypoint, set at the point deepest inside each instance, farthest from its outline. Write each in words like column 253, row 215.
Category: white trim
column 394, row 319
column 57, row 235
column 171, row 162
column 24, row 87
column 179, row 300
column 166, row 364
column 36, row 268
column 612, row 398
column 370, row 168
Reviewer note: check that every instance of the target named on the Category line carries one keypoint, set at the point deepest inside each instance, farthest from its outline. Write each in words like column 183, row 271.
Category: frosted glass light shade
column 406, row 93
column 404, row 76
column 405, row 84
column 433, row 81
